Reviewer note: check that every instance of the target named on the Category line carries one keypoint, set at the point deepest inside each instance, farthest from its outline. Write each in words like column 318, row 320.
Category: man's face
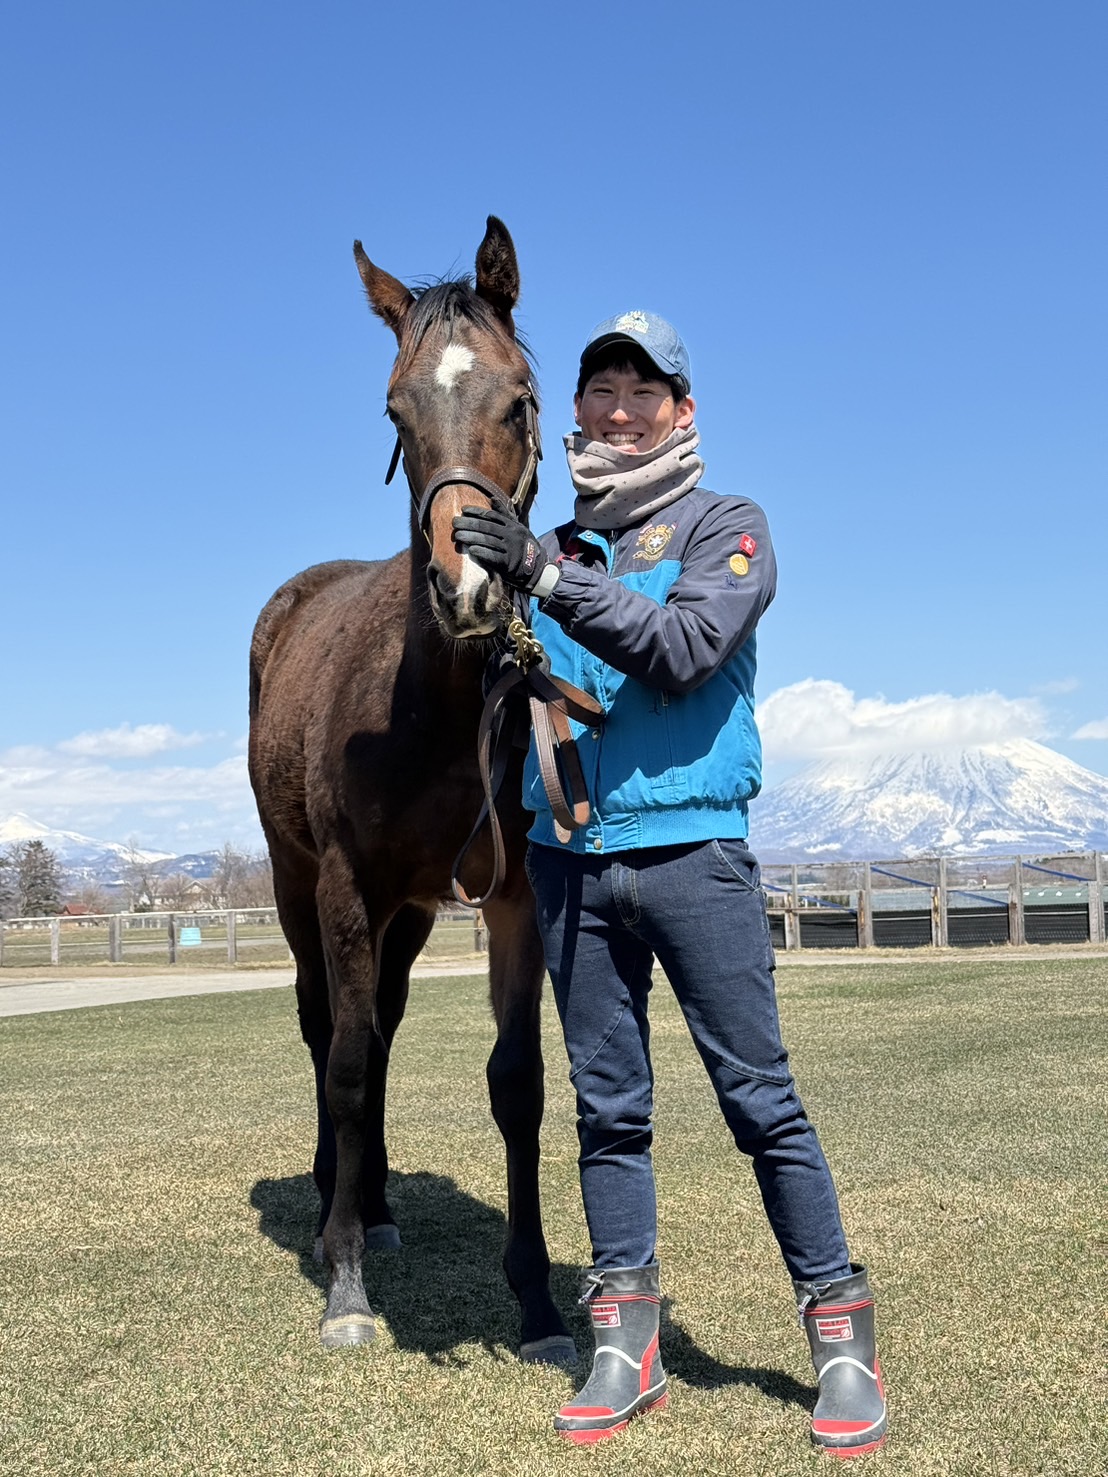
column 621, row 409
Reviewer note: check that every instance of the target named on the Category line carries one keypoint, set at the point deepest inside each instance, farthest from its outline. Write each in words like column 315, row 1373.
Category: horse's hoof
column 559, row 1350
column 348, row 1329
column 382, row 1238
column 319, row 1256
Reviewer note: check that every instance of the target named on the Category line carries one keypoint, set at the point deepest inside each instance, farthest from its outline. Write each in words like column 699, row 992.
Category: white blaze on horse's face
column 456, row 360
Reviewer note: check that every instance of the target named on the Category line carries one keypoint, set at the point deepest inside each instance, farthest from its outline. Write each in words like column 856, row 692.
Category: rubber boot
column 849, row 1418
column 627, row 1377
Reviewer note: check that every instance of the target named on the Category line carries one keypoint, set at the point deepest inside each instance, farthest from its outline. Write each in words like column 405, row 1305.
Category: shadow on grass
column 445, row 1288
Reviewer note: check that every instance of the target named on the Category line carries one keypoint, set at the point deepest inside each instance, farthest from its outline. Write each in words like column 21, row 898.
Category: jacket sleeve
column 710, row 610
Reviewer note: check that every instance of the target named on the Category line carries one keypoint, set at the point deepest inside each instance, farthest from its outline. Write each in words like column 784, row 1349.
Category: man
column 649, row 601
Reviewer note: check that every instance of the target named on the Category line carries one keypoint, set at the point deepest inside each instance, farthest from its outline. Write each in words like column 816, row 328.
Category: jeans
column 699, row 910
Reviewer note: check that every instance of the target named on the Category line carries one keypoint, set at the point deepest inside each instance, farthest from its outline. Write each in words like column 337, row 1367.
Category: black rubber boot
column 627, row 1376
column 850, row 1417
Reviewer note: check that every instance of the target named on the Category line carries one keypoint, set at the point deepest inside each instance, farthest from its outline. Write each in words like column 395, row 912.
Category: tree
column 39, row 880
column 94, row 897
column 8, row 893
column 240, row 879
column 140, row 878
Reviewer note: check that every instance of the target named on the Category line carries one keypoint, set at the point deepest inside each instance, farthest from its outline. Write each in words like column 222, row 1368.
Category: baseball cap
column 658, row 339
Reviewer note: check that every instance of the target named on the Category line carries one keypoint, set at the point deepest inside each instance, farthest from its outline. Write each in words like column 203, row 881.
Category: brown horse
column 365, row 698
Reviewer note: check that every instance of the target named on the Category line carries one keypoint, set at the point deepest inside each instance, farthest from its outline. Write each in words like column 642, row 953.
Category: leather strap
column 551, row 703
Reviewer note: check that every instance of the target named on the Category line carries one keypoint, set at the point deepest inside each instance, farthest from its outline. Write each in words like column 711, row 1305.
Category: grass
column 160, row 1308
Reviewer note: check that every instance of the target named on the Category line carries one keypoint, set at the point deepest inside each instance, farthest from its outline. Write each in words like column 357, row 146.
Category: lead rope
column 552, row 702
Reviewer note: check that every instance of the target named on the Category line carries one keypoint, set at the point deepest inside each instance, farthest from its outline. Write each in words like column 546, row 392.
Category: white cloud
column 1057, row 688
column 125, row 742
column 1097, row 729
column 818, row 718
column 211, row 803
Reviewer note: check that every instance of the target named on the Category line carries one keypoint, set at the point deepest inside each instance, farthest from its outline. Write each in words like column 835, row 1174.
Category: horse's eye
column 518, row 409
column 396, row 419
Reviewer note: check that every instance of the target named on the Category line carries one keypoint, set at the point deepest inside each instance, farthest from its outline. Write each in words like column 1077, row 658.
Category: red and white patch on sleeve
column 747, row 545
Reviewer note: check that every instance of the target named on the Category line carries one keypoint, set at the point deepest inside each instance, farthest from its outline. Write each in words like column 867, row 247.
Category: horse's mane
column 439, row 303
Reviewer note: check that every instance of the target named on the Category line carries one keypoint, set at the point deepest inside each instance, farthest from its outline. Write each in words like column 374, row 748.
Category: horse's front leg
column 515, row 1077
column 354, row 1088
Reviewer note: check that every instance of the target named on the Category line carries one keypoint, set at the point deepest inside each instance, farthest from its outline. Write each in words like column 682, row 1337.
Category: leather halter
column 471, row 477
column 551, row 702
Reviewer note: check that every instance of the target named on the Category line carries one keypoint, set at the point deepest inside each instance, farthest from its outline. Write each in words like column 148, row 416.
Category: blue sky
column 882, row 230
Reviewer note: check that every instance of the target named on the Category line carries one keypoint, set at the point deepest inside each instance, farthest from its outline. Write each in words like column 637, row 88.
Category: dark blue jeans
column 699, row 911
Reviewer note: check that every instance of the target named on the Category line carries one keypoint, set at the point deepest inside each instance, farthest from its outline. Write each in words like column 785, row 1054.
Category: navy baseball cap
column 658, row 339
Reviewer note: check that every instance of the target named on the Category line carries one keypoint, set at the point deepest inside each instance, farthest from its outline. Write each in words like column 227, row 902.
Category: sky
column 881, row 230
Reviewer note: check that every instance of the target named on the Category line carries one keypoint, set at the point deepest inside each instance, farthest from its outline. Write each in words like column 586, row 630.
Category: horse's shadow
column 445, row 1288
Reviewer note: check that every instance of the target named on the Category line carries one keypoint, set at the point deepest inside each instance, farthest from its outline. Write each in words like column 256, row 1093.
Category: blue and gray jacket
column 656, row 622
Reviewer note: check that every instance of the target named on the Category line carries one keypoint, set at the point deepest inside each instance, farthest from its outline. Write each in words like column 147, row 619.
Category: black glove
column 502, row 545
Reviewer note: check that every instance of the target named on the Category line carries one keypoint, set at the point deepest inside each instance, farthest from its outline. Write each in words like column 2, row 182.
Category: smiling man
column 649, row 600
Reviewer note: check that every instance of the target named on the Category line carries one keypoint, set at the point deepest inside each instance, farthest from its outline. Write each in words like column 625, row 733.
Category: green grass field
column 160, row 1309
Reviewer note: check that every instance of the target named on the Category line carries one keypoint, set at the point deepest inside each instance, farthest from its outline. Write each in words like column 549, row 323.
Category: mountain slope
column 80, row 854
column 1017, row 796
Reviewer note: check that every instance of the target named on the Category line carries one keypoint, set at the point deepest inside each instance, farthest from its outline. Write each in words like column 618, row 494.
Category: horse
column 365, row 702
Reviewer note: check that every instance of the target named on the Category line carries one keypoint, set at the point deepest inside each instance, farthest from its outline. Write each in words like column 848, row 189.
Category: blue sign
column 189, row 938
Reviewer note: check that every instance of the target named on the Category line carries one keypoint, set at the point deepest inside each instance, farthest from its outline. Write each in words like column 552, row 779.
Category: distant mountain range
column 1000, row 798
column 88, row 860
column 1009, row 797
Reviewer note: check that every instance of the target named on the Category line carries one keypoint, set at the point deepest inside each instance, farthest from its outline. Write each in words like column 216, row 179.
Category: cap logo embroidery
column 653, row 540
column 636, row 322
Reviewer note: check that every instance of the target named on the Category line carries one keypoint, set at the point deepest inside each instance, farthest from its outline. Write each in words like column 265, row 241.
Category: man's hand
column 502, row 545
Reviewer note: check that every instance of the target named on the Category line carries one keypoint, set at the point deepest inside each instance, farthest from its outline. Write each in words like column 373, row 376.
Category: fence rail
column 962, row 902
column 229, row 936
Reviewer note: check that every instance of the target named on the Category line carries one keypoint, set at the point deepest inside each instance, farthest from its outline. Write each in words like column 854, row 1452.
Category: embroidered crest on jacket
column 653, row 540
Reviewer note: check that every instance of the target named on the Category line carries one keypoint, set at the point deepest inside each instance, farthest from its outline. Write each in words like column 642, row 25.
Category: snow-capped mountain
column 1008, row 797
column 80, row 855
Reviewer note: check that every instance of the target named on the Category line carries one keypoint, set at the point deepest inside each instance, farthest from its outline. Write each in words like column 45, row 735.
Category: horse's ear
column 388, row 298
column 497, row 269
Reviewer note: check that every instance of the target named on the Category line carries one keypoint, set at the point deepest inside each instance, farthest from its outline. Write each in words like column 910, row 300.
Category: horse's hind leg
column 404, row 937
column 515, row 1077
column 294, row 888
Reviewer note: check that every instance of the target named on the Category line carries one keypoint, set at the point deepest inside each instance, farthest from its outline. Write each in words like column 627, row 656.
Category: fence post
column 480, row 933
column 171, row 929
column 1096, row 904
column 1017, row 932
column 115, row 939
column 3, row 931
column 865, row 909
column 55, row 940
column 940, row 930
column 232, row 938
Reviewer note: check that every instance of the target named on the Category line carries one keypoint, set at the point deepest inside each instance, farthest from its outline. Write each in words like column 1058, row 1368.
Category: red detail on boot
column 842, row 1428
column 601, row 1433
column 834, row 1330
column 647, row 1363
column 844, row 1453
column 605, row 1315
column 818, row 1310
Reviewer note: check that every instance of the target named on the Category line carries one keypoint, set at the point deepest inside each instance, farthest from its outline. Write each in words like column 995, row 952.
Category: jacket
column 656, row 622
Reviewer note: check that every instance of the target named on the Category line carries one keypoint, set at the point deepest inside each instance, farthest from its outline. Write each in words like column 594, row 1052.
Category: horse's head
column 463, row 404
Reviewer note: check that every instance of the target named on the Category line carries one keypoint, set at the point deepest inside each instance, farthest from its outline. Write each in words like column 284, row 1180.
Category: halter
column 471, row 477
column 551, row 702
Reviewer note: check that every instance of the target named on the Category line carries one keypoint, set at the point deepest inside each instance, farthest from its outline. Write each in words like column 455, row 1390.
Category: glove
column 502, row 545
